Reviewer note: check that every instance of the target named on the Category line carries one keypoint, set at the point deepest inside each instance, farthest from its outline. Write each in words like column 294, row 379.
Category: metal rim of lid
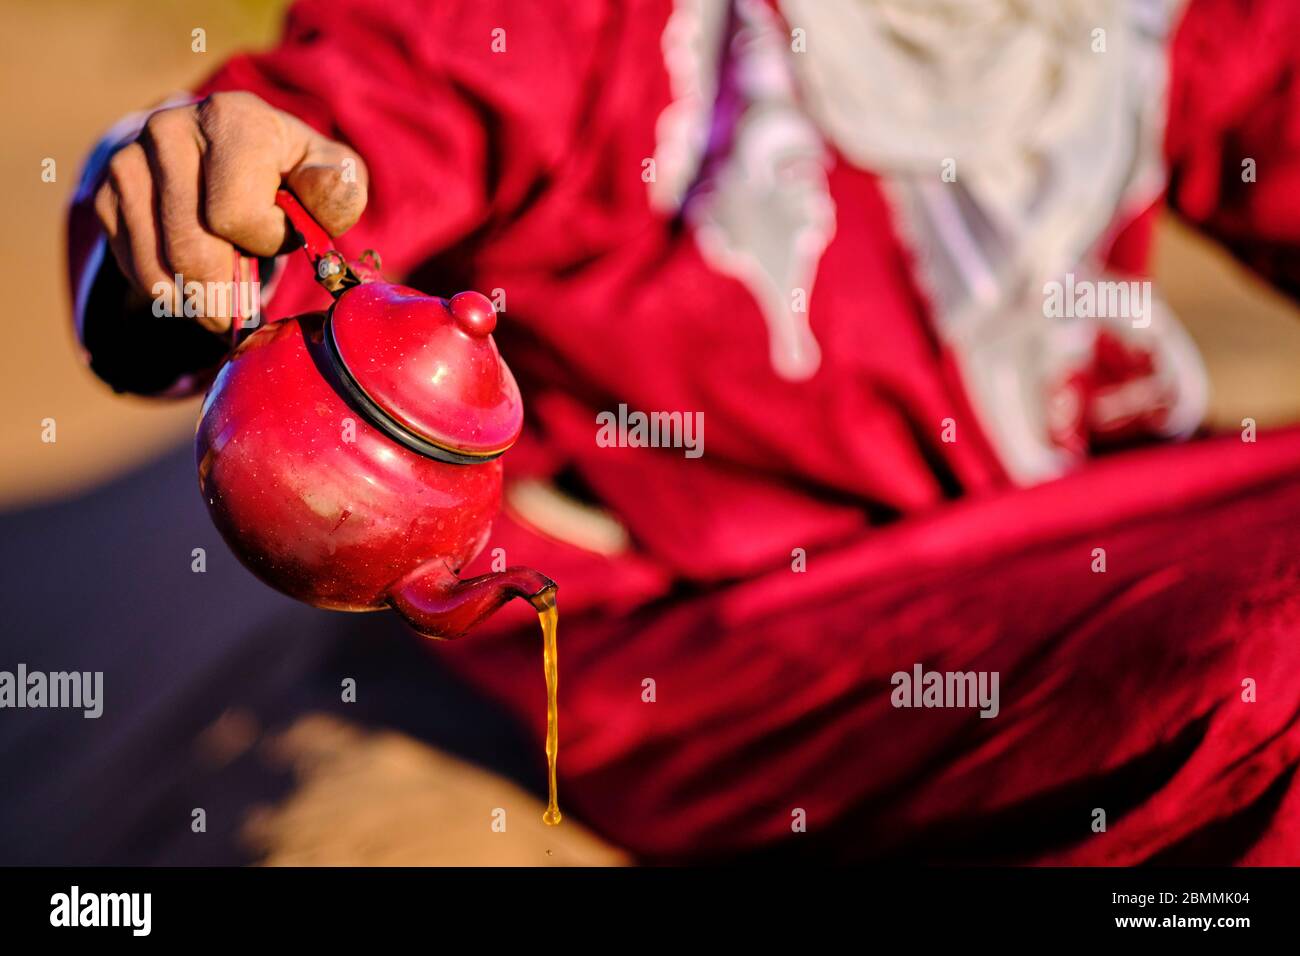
column 389, row 425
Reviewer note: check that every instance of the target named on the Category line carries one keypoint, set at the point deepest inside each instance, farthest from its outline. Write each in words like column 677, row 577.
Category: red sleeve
column 406, row 84
column 1234, row 111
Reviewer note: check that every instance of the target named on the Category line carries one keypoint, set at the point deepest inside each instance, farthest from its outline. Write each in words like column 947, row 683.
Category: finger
column 134, row 237
column 106, row 213
column 172, row 145
column 245, row 144
column 331, row 182
column 250, row 149
column 109, row 214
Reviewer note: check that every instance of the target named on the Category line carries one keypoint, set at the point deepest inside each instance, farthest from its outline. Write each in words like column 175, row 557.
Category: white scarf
column 1049, row 112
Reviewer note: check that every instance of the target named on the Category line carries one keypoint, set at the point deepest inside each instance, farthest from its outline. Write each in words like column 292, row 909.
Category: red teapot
column 352, row 458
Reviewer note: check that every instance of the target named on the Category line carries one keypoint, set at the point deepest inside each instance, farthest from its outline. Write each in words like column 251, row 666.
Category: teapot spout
column 438, row 604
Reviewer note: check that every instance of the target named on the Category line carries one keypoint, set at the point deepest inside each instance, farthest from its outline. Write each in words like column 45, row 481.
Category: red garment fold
column 1121, row 690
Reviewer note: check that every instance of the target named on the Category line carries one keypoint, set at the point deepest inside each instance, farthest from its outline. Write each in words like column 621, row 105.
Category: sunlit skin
column 201, row 182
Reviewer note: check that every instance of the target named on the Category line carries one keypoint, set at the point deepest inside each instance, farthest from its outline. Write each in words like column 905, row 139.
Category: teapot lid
column 426, row 369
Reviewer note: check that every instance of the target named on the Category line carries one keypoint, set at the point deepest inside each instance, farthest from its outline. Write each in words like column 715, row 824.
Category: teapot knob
column 474, row 313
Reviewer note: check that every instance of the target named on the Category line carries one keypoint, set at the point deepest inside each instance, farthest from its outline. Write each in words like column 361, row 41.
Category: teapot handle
column 316, row 241
column 333, row 271
column 238, row 323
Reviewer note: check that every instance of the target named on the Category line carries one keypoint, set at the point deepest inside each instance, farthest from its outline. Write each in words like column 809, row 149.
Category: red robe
column 1120, row 690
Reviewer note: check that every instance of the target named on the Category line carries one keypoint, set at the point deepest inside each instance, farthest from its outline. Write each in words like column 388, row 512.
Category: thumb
column 331, row 182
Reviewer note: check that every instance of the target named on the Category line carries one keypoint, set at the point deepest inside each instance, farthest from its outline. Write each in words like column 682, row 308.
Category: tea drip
column 548, row 614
